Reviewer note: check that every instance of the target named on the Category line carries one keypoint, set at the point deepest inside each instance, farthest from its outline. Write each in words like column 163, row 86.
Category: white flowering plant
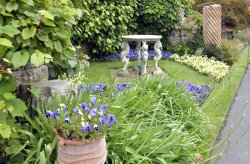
column 204, row 65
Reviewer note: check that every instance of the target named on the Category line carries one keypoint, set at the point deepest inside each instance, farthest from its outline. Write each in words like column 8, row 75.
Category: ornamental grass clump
column 204, row 65
column 80, row 121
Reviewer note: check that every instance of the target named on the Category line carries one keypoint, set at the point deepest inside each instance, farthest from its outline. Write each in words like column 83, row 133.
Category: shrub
column 103, row 23
column 213, row 51
column 229, row 52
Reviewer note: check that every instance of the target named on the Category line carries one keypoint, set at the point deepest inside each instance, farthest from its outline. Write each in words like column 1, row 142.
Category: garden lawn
column 217, row 104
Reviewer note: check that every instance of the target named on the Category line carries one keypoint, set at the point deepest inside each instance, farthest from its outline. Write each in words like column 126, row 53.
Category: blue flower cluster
column 101, row 88
column 85, row 112
column 200, row 92
column 132, row 55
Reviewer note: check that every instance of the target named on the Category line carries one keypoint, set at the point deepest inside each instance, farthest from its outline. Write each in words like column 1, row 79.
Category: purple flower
column 83, row 86
column 87, row 128
column 56, row 113
column 67, row 118
column 110, row 125
column 82, row 129
column 103, row 109
column 65, row 107
column 48, row 114
column 112, row 119
column 93, row 112
column 96, row 128
column 102, row 120
column 112, row 95
column 93, row 101
column 76, row 111
column 83, row 105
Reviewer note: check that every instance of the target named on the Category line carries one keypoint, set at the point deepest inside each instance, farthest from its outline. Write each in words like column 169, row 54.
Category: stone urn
column 77, row 152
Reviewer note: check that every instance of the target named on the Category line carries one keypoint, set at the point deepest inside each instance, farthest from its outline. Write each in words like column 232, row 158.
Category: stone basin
column 141, row 38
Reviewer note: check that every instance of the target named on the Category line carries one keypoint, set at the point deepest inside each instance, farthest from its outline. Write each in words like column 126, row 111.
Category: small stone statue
column 158, row 55
column 125, row 60
column 144, row 51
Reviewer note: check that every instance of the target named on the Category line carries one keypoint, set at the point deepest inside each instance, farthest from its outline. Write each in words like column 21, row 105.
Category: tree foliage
column 235, row 13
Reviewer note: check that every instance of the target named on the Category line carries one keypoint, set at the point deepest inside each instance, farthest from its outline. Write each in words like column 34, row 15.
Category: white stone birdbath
column 141, row 52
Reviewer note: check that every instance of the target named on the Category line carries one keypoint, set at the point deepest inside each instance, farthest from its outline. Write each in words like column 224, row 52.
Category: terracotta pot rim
column 62, row 141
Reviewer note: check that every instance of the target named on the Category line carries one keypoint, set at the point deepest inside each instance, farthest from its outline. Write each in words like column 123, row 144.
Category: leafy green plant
column 103, row 23
column 158, row 123
column 37, row 31
column 10, row 107
column 213, row 51
column 158, row 16
column 229, row 51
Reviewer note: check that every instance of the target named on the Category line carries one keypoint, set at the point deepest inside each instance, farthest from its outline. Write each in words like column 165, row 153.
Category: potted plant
column 80, row 125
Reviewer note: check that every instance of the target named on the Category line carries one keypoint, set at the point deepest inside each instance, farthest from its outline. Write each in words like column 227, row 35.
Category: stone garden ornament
column 141, row 53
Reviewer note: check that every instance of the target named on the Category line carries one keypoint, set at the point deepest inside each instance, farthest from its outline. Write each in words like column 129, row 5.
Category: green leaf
column 46, row 14
column 30, row 14
column 46, row 30
column 14, row 147
column 48, row 22
column 19, row 59
column 34, row 91
column 5, row 42
column 2, row 104
column 41, row 36
column 11, row 6
column 29, row 2
column 5, row 130
column 28, row 33
column 19, row 107
column 49, row 44
column 10, row 30
column 9, row 96
column 72, row 63
column 37, row 58
column 58, row 46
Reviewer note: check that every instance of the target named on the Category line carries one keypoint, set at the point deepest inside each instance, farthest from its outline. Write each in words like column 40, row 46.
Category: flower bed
column 132, row 55
column 203, row 64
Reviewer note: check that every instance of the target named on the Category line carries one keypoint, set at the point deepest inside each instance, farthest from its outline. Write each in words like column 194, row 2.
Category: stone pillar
column 212, row 25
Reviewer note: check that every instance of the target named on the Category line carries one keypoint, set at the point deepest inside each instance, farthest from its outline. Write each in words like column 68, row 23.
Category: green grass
column 215, row 107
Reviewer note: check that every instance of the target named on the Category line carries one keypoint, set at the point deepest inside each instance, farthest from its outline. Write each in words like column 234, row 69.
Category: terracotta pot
column 76, row 152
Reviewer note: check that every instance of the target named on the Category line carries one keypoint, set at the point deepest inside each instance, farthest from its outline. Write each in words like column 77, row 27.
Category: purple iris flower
column 83, row 105
column 103, row 109
column 96, row 128
column 76, row 111
column 65, row 107
column 102, row 120
column 82, row 129
column 87, row 128
column 48, row 114
column 93, row 101
column 112, row 119
column 93, row 112
column 67, row 118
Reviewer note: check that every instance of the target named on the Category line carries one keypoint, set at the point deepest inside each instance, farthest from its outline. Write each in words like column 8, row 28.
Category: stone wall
column 177, row 36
